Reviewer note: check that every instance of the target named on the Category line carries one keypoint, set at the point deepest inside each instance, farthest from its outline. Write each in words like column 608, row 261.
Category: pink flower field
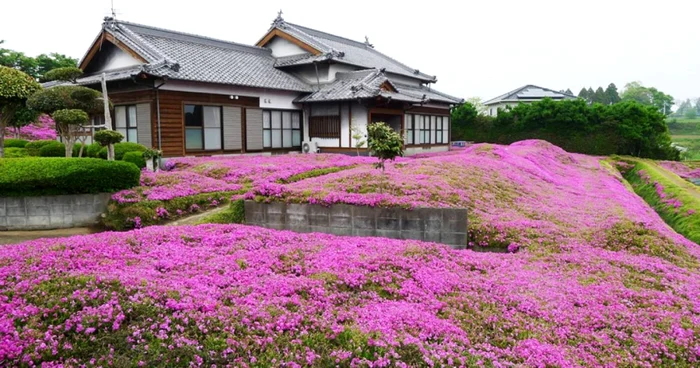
column 592, row 276
column 685, row 170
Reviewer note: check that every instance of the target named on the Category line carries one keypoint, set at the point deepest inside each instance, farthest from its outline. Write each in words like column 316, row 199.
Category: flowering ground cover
column 686, row 170
column 42, row 129
column 195, row 183
column 250, row 297
column 677, row 201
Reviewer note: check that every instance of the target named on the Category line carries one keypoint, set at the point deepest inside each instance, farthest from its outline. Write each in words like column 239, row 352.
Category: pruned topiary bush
column 33, row 148
column 15, row 143
column 14, row 152
column 53, row 149
column 54, row 176
column 135, row 158
column 122, row 148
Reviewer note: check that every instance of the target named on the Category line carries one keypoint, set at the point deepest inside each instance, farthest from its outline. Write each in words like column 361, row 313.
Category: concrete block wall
column 441, row 225
column 51, row 212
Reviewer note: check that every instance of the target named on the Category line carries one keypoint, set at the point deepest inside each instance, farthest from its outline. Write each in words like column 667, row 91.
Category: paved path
column 13, row 237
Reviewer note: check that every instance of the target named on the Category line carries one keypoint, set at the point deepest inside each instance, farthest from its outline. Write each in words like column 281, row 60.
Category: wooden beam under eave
column 278, row 33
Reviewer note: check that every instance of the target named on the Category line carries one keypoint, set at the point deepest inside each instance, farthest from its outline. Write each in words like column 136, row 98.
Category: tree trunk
column 69, row 148
column 2, row 141
column 110, row 152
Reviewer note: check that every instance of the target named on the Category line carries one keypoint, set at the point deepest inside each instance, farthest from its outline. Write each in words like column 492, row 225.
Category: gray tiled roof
column 189, row 57
column 366, row 84
column 529, row 93
column 346, row 51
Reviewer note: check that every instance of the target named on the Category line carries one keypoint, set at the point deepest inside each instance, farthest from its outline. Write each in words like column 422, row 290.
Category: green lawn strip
column 685, row 218
column 233, row 214
column 314, row 173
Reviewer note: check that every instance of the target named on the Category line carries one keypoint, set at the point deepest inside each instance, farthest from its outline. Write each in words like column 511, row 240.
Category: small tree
column 15, row 88
column 67, row 74
column 69, row 124
column 384, row 143
column 108, row 138
column 359, row 136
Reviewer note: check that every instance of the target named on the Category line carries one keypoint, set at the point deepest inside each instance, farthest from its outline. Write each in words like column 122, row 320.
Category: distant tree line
column 35, row 67
column 688, row 109
column 627, row 127
column 634, row 91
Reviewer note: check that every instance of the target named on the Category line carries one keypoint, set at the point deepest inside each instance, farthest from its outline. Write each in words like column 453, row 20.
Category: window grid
column 203, row 127
column 125, row 122
column 281, row 129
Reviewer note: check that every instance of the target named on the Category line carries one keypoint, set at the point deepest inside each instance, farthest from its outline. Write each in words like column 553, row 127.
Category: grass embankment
column 686, row 133
column 675, row 200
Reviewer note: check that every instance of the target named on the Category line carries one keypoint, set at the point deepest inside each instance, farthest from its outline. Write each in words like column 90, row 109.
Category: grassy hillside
column 686, row 133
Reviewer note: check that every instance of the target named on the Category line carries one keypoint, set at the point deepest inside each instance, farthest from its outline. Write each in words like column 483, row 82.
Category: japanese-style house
column 192, row 95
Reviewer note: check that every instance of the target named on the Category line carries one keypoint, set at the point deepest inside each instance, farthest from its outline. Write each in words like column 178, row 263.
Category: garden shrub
column 53, row 149
column 34, row 147
column 93, row 150
column 15, row 143
column 14, row 152
column 122, row 216
column 53, row 176
column 135, row 158
column 122, row 148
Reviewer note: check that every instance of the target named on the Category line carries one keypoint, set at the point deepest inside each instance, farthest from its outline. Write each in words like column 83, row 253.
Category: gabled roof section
column 529, row 93
column 371, row 83
column 339, row 49
column 189, row 57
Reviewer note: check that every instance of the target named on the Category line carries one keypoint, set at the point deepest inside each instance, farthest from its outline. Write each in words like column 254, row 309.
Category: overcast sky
column 476, row 48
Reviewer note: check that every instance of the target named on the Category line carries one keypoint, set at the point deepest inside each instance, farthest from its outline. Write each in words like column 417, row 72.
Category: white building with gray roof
column 525, row 94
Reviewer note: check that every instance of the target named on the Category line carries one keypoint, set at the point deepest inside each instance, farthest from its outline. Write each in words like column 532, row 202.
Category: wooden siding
column 172, row 114
column 324, row 127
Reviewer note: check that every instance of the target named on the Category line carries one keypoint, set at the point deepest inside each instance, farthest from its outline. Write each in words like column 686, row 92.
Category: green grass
column 685, row 219
column 234, row 214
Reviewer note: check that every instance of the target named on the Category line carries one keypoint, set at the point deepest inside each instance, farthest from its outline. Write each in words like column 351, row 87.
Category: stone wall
column 51, row 212
column 441, row 225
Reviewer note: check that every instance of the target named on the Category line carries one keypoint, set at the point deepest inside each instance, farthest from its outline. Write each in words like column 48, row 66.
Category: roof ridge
column 194, row 36
column 296, row 28
column 326, row 33
column 146, row 44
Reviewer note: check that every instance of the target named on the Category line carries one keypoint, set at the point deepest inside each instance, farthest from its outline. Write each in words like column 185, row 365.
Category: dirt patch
column 14, row 237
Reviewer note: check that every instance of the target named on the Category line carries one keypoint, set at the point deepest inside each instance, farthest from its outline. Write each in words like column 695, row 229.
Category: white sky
column 476, row 48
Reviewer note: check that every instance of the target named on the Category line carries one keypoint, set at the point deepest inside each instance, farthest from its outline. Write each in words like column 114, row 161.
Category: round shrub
column 15, row 143
column 93, row 150
column 122, row 148
column 53, row 149
column 135, row 158
column 76, row 150
column 14, row 152
column 53, row 176
column 34, row 147
column 106, row 137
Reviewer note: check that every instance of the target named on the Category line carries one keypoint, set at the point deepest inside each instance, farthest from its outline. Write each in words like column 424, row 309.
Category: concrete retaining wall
column 441, row 225
column 51, row 212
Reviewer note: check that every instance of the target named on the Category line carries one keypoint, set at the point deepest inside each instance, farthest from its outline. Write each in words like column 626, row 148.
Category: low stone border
column 441, row 225
column 51, row 212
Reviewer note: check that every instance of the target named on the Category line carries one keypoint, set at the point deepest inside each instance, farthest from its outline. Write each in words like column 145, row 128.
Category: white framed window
column 281, row 128
column 125, row 122
column 203, row 130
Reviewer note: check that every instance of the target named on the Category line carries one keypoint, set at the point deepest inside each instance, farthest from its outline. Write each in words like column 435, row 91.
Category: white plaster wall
column 492, row 110
column 308, row 73
column 271, row 99
column 344, row 125
column 359, row 119
column 339, row 68
column 281, row 47
column 404, row 79
column 118, row 59
column 410, row 151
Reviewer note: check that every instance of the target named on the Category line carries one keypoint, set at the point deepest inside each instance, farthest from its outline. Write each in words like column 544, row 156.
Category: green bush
column 93, row 150
column 15, row 143
column 106, row 137
column 234, row 214
column 122, row 148
column 14, row 152
column 135, row 158
column 53, row 149
column 54, row 176
column 34, row 147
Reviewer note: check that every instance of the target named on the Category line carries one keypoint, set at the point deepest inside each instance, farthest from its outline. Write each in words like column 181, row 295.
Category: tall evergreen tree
column 583, row 94
column 600, row 97
column 568, row 92
column 611, row 94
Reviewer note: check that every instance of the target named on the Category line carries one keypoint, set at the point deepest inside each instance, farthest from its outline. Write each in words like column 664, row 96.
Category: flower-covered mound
column 42, row 129
column 231, row 295
column 686, row 170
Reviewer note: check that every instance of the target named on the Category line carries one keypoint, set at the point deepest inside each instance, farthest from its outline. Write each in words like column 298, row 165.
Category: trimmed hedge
column 14, row 152
column 135, row 158
column 54, row 176
column 93, row 150
column 15, row 143
column 34, row 147
column 53, row 149
column 120, row 149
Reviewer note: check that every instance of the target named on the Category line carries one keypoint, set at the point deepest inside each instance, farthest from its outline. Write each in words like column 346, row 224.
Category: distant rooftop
column 529, row 93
